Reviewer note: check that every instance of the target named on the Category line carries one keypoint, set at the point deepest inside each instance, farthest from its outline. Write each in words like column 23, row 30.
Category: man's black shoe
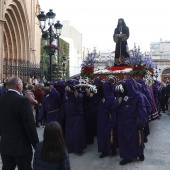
column 103, row 154
column 142, row 157
column 80, row 153
column 125, row 161
column 145, row 140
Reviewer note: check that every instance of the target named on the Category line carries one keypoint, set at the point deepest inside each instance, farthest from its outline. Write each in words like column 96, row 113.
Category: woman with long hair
column 51, row 153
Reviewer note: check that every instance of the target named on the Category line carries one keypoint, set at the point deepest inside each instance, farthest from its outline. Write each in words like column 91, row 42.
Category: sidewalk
column 157, row 152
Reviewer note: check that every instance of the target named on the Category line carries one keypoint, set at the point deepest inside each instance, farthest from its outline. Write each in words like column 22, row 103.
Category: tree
column 57, row 71
column 64, row 51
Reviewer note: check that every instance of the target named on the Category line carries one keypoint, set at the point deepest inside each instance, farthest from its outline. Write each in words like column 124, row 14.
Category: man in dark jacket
column 167, row 94
column 17, row 128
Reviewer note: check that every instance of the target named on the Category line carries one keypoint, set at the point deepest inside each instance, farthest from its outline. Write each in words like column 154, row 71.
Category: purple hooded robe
column 107, row 120
column 51, row 106
column 131, row 113
column 154, row 113
column 74, row 123
column 88, row 120
column 148, row 109
column 148, row 92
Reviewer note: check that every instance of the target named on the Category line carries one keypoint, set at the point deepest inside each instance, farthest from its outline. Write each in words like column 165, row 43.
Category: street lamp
column 58, row 26
column 49, row 35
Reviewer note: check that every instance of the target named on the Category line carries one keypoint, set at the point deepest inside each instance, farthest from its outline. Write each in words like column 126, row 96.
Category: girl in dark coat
column 51, row 153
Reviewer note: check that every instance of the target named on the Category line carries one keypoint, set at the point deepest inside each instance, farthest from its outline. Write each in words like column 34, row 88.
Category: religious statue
column 121, row 34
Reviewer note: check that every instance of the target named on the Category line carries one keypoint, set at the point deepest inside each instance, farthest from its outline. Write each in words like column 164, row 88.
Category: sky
column 148, row 20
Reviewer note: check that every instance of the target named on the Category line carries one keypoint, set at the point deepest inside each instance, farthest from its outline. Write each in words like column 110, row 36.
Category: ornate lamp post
column 49, row 35
column 58, row 26
column 42, row 66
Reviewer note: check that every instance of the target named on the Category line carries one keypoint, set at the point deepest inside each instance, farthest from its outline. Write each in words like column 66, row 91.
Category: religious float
column 137, row 66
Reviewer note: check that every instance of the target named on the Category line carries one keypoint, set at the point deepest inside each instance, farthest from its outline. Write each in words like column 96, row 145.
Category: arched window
column 167, row 71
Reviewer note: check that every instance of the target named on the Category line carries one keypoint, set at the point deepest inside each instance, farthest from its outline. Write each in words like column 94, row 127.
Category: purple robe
column 148, row 109
column 94, row 102
column 51, row 106
column 107, row 120
column 154, row 113
column 88, row 120
column 131, row 113
column 74, row 125
column 148, row 92
column 155, row 93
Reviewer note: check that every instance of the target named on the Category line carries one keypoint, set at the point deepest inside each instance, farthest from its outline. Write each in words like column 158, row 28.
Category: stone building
column 160, row 52
column 19, row 38
column 77, row 52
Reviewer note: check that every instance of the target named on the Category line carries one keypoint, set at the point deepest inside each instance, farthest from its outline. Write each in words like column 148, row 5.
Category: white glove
column 67, row 89
column 119, row 88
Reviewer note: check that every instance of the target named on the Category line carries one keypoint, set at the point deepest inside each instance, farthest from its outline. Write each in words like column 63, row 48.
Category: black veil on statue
column 121, row 53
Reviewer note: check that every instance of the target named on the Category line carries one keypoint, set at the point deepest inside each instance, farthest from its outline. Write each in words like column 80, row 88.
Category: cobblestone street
column 157, row 152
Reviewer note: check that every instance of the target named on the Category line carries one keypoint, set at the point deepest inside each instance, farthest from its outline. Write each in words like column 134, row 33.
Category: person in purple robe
column 51, row 106
column 159, row 95
column 148, row 92
column 74, row 119
column 60, row 87
column 132, row 118
column 90, row 105
column 107, row 122
column 88, row 118
column 167, row 94
column 156, row 93
column 148, row 109
column 94, row 102
column 154, row 113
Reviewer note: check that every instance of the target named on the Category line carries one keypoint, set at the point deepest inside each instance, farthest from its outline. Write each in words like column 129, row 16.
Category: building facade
column 77, row 52
column 19, row 38
column 160, row 52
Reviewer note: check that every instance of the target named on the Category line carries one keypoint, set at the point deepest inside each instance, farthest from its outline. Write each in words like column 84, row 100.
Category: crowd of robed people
column 118, row 116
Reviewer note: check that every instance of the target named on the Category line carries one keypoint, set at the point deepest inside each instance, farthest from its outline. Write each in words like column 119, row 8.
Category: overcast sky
column 148, row 20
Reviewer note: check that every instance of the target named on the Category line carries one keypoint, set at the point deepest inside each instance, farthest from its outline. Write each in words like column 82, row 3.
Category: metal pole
column 50, row 31
column 58, row 62
column 50, row 67
column 58, row 50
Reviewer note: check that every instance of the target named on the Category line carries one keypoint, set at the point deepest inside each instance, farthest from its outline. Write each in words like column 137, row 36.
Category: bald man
column 17, row 128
